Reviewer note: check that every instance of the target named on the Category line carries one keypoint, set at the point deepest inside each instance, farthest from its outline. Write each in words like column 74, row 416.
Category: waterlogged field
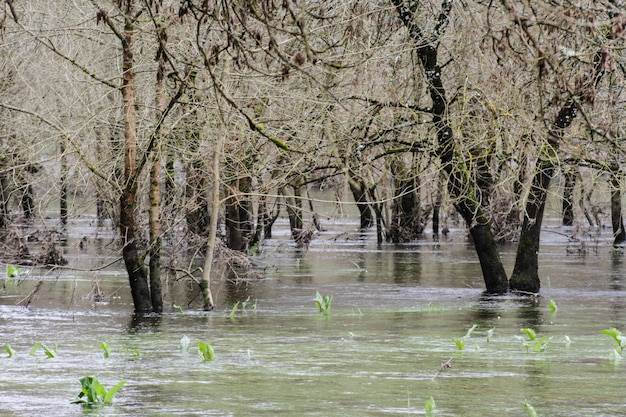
column 408, row 332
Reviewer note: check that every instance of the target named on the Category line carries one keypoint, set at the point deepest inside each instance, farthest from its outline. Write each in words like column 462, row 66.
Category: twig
column 444, row 365
column 29, row 297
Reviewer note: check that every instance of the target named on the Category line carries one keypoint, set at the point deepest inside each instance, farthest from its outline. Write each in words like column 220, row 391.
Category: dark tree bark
column 128, row 201
column 568, row 197
column 459, row 184
column 359, row 192
column 238, row 213
column 406, row 218
column 293, row 205
column 28, row 201
column 265, row 221
column 525, row 277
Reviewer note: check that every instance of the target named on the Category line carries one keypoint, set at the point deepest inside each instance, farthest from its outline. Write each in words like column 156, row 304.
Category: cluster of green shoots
column 538, row 345
column 242, row 306
column 323, row 303
column 94, row 394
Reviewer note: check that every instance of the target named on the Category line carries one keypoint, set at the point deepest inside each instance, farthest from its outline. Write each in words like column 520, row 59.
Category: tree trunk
column 154, row 219
column 568, row 197
column 406, row 218
column 460, row 186
column 525, row 275
column 205, row 283
column 294, row 212
column 134, row 263
column 359, row 192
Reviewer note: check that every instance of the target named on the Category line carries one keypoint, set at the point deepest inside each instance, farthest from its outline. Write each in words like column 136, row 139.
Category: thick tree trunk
column 134, row 263
column 460, row 186
column 406, row 218
column 525, row 275
column 359, row 192
column 238, row 214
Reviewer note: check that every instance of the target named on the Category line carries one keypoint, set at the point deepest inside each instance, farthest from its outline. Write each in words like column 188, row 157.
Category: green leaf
column 13, row 271
column 553, row 307
column 34, row 349
column 234, row 310
column 206, row 351
column 430, row 406
column 106, row 348
column 9, row 350
column 530, row 410
column 460, row 344
column 532, row 335
column 50, row 353
column 470, row 331
column 108, row 396
column 619, row 338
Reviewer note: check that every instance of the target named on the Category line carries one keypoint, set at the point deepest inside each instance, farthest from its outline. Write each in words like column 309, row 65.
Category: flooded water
column 385, row 348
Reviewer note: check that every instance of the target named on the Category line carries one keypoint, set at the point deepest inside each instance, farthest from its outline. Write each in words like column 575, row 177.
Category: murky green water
column 395, row 312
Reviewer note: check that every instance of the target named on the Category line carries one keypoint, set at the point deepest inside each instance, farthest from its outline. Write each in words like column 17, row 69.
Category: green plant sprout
column 616, row 335
column 94, row 394
column 530, row 410
column 553, row 307
column 50, row 353
column 244, row 306
column 106, row 349
column 13, row 271
column 539, row 345
column 254, row 249
column 205, row 351
column 460, row 343
column 9, row 351
column 323, row 303
column 430, row 406
column 234, row 310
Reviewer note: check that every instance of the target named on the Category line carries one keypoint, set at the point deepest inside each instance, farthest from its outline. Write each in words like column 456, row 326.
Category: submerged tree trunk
column 238, row 214
column 293, row 205
column 525, row 275
column 359, row 192
column 128, row 201
column 154, row 196
column 205, row 283
column 459, row 179
column 406, row 218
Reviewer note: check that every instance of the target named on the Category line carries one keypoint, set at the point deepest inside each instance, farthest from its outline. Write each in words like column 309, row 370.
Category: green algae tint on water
column 385, row 347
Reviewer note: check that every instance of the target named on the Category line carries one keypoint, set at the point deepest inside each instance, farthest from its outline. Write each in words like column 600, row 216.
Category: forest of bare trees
column 192, row 125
